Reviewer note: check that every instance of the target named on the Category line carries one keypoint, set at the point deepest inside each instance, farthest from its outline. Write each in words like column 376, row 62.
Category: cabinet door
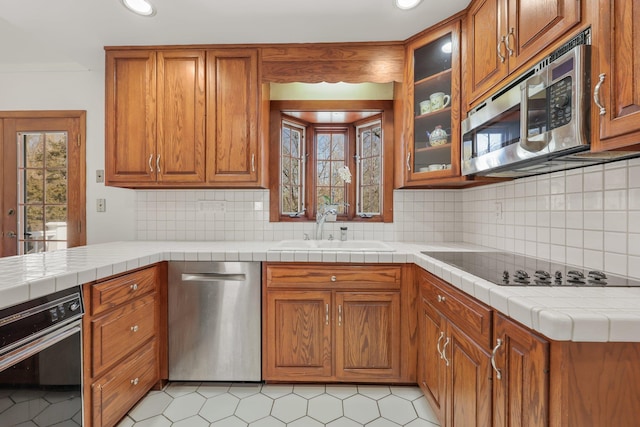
column 486, row 55
column 232, row 117
column 431, row 367
column 468, row 381
column 130, row 144
column 367, row 335
column 534, row 25
column 298, row 335
column 433, row 107
column 521, row 393
column 181, row 116
column 617, row 48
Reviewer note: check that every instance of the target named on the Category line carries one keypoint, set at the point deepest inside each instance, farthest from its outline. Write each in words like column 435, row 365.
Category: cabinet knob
column 134, row 328
column 134, row 287
column 441, row 298
column 135, row 381
column 334, row 278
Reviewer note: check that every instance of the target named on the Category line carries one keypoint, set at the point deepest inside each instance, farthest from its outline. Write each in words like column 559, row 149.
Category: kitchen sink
column 332, row 245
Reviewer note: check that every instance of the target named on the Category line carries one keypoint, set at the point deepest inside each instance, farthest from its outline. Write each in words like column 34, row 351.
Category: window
column 317, row 149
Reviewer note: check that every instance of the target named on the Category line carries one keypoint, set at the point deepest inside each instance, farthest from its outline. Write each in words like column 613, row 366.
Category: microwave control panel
column 559, row 98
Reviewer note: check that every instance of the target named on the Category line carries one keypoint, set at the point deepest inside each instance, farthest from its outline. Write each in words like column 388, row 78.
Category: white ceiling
column 70, row 34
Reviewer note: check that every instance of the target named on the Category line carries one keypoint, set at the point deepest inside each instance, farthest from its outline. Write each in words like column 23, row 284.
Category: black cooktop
column 508, row 269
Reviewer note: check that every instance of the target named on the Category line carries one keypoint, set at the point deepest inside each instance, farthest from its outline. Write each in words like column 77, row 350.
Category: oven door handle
column 25, row 351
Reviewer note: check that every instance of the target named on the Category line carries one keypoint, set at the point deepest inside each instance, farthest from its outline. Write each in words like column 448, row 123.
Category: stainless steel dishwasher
column 214, row 321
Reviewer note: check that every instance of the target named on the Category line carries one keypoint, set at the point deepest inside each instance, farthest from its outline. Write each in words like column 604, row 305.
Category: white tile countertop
column 562, row 314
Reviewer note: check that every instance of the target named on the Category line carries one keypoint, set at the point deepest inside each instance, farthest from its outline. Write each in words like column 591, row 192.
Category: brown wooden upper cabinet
column 182, row 118
column 432, row 106
column 502, row 35
column 616, row 69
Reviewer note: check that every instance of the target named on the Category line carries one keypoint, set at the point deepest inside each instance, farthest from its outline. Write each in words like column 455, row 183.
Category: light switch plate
column 100, row 175
column 101, row 205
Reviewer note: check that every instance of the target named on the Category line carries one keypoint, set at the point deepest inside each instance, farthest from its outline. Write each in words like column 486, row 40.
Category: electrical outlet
column 211, row 206
column 101, row 205
column 100, row 175
column 498, row 211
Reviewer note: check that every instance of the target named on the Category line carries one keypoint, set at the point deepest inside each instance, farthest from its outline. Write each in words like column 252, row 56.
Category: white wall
column 77, row 90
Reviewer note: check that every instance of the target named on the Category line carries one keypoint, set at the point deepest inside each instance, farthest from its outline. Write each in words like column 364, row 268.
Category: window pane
column 337, row 147
column 55, row 216
column 34, row 221
column 295, row 173
column 56, row 156
column 33, row 150
column 291, row 169
column 295, row 144
column 34, row 186
column 366, row 144
column 324, row 170
column 370, row 200
column 370, row 169
column 56, row 186
column 376, row 139
column 323, row 149
column 286, row 171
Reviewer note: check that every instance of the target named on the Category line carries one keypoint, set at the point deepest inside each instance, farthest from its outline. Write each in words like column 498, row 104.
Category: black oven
column 41, row 361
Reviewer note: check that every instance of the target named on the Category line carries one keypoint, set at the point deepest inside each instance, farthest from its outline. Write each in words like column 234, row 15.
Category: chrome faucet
column 321, row 218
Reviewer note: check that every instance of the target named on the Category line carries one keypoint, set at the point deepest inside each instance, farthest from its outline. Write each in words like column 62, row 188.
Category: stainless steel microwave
column 537, row 124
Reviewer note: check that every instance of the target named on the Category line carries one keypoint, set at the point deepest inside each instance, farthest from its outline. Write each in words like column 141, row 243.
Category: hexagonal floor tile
column 382, row 422
column 308, row 391
column 184, row 407
column 289, row 408
column 305, row 422
column 325, row 408
column 341, row 391
column 397, row 409
column 219, row 407
column 213, row 389
column 242, row 390
column 419, row 422
column 423, row 409
column 361, row 408
column 195, row 421
column 374, row 391
column 232, row 421
column 343, row 422
column 407, row 392
column 151, row 405
column 268, row 422
column 178, row 389
column 254, row 407
column 125, row 422
column 275, row 391
column 157, row 421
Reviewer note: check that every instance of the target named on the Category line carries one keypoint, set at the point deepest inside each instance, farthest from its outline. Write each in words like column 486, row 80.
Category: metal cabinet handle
column 502, row 57
column 408, row 161
column 135, row 381
column 493, row 358
column 134, row 287
column 444, row 351
column 596, row 95
column 438, row 344
column 253, row 162
column 326, row 314
column 150, row 165
column 511, row 35
column 134, row 328
column 339, row 315
column 441, row 298
column 158, row 163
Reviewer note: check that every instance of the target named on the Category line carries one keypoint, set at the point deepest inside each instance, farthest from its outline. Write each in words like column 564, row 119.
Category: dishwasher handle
column 214, row 277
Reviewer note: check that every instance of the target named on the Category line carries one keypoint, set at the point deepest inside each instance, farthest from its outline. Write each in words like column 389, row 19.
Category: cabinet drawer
column 352, row 276
column 115, row 393
column 117, row 291
column 470, row 316
column 119, row 332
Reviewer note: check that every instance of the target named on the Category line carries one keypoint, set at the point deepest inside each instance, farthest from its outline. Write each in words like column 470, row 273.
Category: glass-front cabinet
column 433, row 108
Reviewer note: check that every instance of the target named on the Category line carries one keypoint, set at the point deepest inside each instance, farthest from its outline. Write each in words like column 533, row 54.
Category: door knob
column 11, row 234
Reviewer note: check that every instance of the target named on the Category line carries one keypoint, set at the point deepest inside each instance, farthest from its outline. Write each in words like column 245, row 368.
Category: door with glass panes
column 43, row 181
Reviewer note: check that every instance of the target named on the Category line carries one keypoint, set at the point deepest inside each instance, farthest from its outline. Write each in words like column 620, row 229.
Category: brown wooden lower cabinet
column 125, row 342
column 454, row 370
column 330, row 329
column 521, row 379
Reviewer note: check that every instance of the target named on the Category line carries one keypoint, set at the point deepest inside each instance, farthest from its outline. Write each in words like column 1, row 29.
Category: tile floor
column 279, row 405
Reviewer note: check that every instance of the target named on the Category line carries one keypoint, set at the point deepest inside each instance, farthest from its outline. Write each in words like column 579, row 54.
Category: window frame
column 385, row 109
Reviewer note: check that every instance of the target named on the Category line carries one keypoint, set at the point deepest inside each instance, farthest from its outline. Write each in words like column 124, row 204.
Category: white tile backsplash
column 586, row 217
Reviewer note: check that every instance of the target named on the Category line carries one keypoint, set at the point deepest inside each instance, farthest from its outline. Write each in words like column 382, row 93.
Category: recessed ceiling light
column 407, row 4
column 140, row 7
